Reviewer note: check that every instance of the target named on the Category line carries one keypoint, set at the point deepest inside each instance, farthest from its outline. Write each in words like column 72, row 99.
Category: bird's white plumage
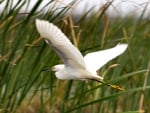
column 75, row 66
column 60, row 43
column 96, row 60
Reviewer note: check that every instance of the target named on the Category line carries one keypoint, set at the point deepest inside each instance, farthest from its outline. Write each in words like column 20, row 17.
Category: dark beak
column 46, row 69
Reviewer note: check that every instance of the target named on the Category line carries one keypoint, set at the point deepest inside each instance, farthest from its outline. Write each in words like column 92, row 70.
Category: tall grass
column 25, row 88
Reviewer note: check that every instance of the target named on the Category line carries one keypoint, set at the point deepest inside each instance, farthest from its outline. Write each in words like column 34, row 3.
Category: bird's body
column 67, row 73
column 75, row 65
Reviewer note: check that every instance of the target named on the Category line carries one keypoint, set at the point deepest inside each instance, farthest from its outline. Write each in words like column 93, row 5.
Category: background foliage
column 25, row 88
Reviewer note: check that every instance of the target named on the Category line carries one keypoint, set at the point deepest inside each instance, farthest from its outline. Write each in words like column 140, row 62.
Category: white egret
column 75, row 65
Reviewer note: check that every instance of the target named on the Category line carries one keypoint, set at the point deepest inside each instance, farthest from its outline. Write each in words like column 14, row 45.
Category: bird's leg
column 117, row 87
column 111, row 85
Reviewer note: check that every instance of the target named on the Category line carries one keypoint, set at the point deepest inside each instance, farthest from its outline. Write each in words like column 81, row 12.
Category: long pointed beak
column 46, row 69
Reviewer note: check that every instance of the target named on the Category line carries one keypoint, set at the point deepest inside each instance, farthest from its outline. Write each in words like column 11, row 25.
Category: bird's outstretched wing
column 70, row 55
column 96, row 60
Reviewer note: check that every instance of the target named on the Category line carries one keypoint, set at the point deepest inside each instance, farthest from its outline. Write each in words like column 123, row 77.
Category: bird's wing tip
column 121, row 47
column 124, row 45
column 40, row 22
column 37, row 21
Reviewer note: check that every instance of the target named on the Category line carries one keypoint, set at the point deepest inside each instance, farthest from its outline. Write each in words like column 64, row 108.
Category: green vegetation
column 25, row 88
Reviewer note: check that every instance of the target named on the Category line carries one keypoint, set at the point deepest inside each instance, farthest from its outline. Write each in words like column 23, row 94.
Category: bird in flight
column 76, row 67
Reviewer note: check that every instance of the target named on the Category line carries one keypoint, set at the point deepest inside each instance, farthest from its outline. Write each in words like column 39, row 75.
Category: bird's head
column 57, row 68
column 59, row 71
